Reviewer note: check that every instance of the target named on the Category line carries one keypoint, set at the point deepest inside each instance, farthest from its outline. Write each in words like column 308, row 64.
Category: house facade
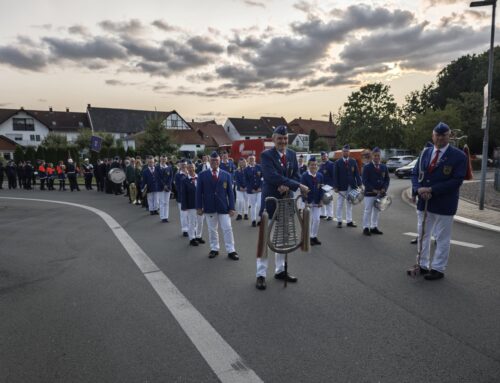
column 325, row 130
column 7, row 148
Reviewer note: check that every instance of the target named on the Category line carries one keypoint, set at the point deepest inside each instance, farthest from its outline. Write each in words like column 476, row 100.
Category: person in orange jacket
column 50, row 176
column 42, row 174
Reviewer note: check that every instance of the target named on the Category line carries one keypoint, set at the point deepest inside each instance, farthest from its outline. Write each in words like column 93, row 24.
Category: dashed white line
column 453, row 242
column 220, row 356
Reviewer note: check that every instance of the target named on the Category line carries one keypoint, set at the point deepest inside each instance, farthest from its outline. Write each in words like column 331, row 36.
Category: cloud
column 33, row 60
column 132, row 26
column 79, row 30
column 204, row 44
column 254, row 3
column 96, row 47
column 114, row 82
column 164, row 26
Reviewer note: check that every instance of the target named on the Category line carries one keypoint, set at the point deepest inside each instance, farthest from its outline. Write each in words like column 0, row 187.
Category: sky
column 213, row 59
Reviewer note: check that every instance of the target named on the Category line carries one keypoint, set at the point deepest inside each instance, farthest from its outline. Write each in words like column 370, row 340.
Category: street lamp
column 484, row 162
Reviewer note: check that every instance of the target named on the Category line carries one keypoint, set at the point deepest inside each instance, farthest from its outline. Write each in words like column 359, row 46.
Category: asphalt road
column 75, row 308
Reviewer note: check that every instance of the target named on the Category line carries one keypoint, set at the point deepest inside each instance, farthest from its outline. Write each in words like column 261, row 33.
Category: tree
column 40, row 153
column 18, row 154
column 83, row 139
column 155, row 139
column 313, row 136
column 55, row 141
column 371, row 117
column 30, row 154
column 321, row 145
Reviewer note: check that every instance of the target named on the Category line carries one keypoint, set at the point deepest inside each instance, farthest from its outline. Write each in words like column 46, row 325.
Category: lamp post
column 484, row 162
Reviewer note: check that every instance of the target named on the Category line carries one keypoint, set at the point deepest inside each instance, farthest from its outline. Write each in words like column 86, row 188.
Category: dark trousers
column 62, row 184
column 12, row 182
column 1, row 181
column 100, row 183
column 27, row 183
column 50, row 183
column 42, row 183
column 73, row 185
column 88, row 181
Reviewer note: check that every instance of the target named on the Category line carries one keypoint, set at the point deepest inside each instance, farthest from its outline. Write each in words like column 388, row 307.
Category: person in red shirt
column 42, row 174
column 50, row 176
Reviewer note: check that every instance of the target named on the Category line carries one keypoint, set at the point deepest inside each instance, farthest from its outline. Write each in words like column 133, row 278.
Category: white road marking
column 459, row 243
column 220, row 356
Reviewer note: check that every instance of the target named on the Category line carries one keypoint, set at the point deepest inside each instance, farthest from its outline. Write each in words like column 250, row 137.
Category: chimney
column 192, row 120
column 242, row 117
column 22, row 107
column 67, row 110
column 88, row 106
column 50, row 109
column 300, row 118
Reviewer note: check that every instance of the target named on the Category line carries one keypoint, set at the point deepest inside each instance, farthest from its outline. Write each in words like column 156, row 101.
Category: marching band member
column 241, row 195
column 302, row 170
column 227, row 164
column 188, row 204
column 61, row 175
column 165, row 176
column 437, row 178
column 42, row 174
column 28, row 175
column 346, row 178
column 88, row 170
column 150, row 179
column 376, row 183
column 215, row 199
column 178, row 195
column 253, row 181
column 281, row 174
column 314, row 180
column 71, row 172
column 50, row 176
column 326, row 169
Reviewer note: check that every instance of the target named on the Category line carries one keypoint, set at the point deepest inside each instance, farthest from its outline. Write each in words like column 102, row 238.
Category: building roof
column 272, row 122
column 214, row 134
column 250, row 127
column 323, row 128
column 129, row 121
column 178, row 137
column 54, row 121
column 7, row 144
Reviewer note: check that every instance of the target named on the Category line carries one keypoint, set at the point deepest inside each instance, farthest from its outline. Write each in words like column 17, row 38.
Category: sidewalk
column 469, row 214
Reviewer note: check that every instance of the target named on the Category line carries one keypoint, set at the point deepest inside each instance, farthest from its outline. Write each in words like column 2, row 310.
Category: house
column 249, row 128
column 30, row 127
column 299, row 140
column 325, row 130
column 7, row 148
column 123, row 124
column 214, row 134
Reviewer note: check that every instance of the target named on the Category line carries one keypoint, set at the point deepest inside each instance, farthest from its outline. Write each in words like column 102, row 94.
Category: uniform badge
column 352, row 169
column 224, row 185
column 447, row 170
column 258, row 174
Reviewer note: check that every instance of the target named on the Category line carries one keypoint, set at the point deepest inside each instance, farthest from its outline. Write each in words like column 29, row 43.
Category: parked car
column 405, row 171
column 398, row 161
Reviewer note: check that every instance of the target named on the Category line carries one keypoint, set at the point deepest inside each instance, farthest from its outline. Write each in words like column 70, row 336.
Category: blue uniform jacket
column 445, row 180
column 178, row 185
column 326, row 169
column 228, row 167
column 151, row 179
column 215, row 196
column 253, row 178
column 374, row 178
column 275, row 175
column 164, row 179
column 188, row 198
column 345, row 176
column 316, row 192
column 302, row 169
column 239, row 179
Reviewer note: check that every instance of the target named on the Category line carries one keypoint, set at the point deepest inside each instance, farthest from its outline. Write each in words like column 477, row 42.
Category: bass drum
column 116, row 175
column 355, row 196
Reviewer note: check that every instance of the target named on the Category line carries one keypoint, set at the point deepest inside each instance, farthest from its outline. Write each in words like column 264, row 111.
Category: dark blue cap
column 441, row 128
column 323, row 153
column 376, row 149
column 346, row 147
column 214, row 154
column 281, row 129
column 312, row 158
column 189, row 162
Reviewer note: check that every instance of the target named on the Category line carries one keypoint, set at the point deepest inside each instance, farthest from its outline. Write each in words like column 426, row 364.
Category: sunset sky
column 217, row 58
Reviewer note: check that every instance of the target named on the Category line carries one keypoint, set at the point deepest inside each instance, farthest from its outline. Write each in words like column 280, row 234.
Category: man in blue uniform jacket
column 327, row 171
column 437, row 178
column 253, row 181
column 376, row 183
column 314, row 180
column 346, row 177
column 241, row 190
column 179, row 176
column 150, row 177
column 280, row 171
column 188, row 204
column 215, row 199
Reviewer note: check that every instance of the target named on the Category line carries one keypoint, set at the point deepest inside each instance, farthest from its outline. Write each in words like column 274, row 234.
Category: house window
column 24, row 124
column 80, row 124
column 18, row 137
column 32, row 137
column 38, row 137
column 197, row 146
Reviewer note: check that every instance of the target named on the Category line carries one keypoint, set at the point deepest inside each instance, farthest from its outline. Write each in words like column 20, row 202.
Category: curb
column 464, row 220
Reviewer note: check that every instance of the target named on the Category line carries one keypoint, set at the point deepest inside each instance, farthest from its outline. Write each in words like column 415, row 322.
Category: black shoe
column 366, row 231
column 322, row 216
column 233, row 255
column 315, row 241
column 258, row 223
column 351, row 224
column 164, row 220
column 423, row 271
column 151, row 213
column 213, row 254
column 329, row 219
column 318, row 242
column 261, row 283
column 375, row 231
column 311, row 241
column 339, row 225
column 246, row 217
column 156, row 212
column 433, row 275
column 200, row 240
column 414, row 241
column 193, row 242
column 185, row 234
column 254, row 223
column 282, row 276
column 239, row 217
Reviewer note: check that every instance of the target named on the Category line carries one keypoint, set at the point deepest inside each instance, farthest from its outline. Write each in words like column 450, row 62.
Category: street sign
column 484, row 122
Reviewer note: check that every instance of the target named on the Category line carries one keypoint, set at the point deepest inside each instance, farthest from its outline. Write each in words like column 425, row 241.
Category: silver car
column 398, row 161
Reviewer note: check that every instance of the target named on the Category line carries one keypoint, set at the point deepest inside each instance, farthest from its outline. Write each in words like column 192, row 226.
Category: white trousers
column 254, row 202
column 241, row 202
column 370, row 214
column 183, row 218
column 327, row 210
column 262, row 263
column 153, row 201
column 439, row 226
column 195, row 224
column 340, row 206
column 301, row 203
column 314, row 226
column 163, row 200
column 213, row 221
